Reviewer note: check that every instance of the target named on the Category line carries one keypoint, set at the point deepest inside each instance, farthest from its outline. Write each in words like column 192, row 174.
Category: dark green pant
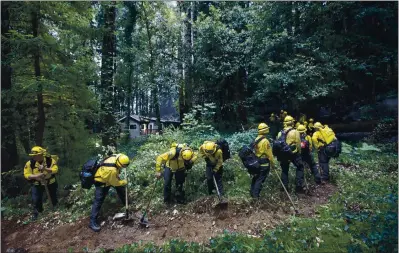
column 180, row 177
column 307, row 157
column 323, row 161
column 259, row 179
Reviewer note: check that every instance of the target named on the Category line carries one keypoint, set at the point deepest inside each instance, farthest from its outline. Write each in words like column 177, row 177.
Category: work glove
column 158, row 174
column 123, row 182
column 215, row 170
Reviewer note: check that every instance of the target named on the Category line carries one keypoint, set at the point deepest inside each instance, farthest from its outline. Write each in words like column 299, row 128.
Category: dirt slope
column 195, row 222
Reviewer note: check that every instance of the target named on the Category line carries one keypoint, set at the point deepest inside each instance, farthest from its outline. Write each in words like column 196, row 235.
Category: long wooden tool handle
column 127, row 205
column 296, row 210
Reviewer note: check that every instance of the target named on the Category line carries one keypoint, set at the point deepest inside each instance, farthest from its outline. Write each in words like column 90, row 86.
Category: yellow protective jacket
column 272, row 118
column 264, row 150
column 310, row 126
column 109, row 175
column 173, row 164
column 215, row 159
column 309, row 140
column 293, row 139
column 50, row 177
column 322, row 137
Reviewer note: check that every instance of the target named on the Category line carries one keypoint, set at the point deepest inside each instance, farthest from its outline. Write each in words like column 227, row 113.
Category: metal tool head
column 119, row 216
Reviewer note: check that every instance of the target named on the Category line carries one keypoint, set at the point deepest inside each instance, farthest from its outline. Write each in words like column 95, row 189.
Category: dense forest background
column 70, row 69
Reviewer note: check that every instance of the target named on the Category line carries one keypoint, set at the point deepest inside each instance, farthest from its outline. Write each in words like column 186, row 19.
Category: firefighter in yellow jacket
column 106, row 176
column 323, row 136
column 264, row 153
column 293, row 140
column 40, row 170
column 306, row 153
column 214, row 165
column 176, row 161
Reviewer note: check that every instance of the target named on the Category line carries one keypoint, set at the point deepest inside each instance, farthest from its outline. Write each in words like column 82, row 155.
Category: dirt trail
column 196, row 222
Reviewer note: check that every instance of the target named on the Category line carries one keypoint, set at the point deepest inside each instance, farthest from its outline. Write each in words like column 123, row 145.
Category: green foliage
column 361, row 217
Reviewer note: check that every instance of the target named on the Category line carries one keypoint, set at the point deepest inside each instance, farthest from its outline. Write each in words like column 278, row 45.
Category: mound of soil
column 195, row 222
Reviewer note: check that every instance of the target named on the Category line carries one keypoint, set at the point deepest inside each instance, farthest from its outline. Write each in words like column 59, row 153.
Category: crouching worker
column 214, row 165
column 40, row 170
column 176, row 162
column 264, row 153
column 306, row 153
column 106, row 176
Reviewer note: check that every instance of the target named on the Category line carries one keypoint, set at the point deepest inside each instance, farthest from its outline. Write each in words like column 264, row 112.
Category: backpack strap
column 256, row 142
column 178, row 149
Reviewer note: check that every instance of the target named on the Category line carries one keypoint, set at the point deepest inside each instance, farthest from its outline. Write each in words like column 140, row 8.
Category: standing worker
column 40, row 170
column 264, row 153
column 310, row 127
column 106, row 176
column 214, row 165
column 323, row 136
column 293, row 140
column 273, row 125
column 306, row 153
column 176, row 161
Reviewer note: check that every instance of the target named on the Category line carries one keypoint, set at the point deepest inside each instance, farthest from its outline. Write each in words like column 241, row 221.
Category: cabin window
column 134, row 126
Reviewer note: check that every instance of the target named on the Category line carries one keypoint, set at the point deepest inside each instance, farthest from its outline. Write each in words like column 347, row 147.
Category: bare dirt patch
column 196, row 222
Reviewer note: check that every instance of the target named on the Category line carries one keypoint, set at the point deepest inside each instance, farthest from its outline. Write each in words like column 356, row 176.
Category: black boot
column 94, row 226
column 300, row 190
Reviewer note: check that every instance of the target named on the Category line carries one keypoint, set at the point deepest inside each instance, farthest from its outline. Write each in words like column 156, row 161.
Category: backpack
column 89, row 169
column 280, row 147
column 248, row 157
column 224, row 146
column 333, row 149
column 305, row 144
column 187, row 164
column 327, row 134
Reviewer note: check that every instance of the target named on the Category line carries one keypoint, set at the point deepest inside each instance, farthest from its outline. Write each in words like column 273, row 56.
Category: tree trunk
column 154, row 90
column 9, row 152
column 36, row 58
column 108, row 124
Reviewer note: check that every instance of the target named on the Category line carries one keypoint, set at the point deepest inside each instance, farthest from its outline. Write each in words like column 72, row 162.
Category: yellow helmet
column 263, row 128
column 187, row 154
column 272, row 114
column 297, row 124
column 122, row 161
column 317, row 125
column 37, row 150
column 281, row 111
column 173, row 145
column 310, row 120
column 288, row 119
column 210, row 147
column 301, row 129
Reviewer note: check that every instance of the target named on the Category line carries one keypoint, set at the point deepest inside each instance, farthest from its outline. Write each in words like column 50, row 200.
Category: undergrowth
column 360, row 217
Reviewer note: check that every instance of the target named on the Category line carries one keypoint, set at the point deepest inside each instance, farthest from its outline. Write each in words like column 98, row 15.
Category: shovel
column 126, row 213
column 143, row 219
column 222, row 203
